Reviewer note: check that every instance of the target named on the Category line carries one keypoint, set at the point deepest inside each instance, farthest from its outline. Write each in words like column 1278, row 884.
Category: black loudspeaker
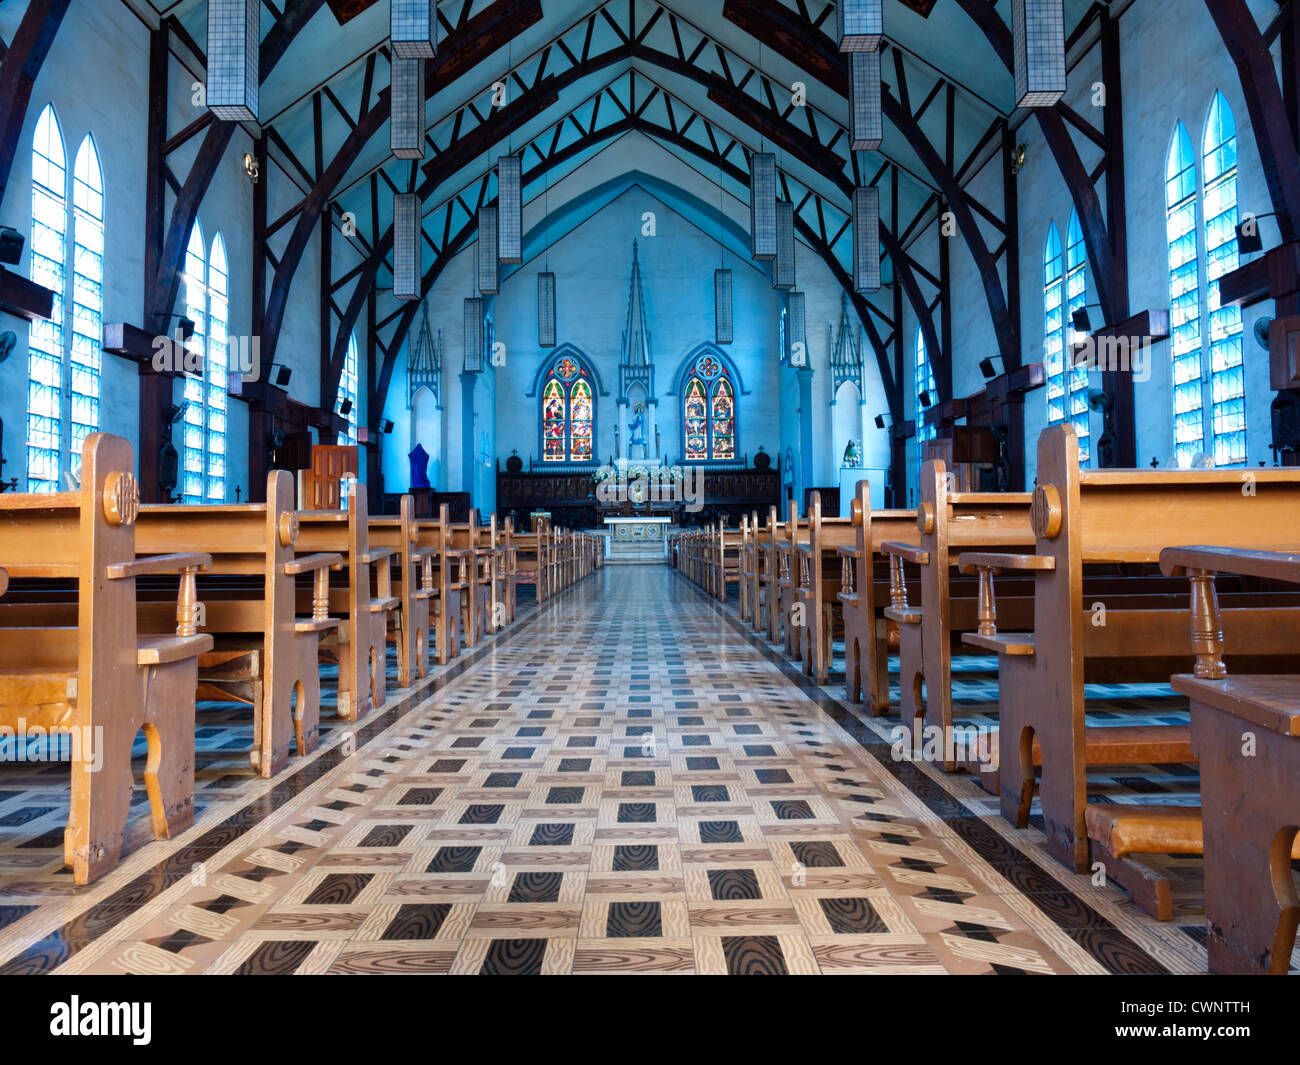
column 11, row 245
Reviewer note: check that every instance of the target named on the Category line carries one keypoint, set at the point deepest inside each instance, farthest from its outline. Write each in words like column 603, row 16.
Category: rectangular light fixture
column 487, row 250
column 864, row 94
column 510, row 210
column 406, row 121
column 762, row 205
column 722, row 325
column 234, row 42
column 860, row 24
column 473, row 336
column 546, row 310
column 413, row 28
column 1038, row 44
column 866, row 239
column 408, row 244
column 783, row 264
column 796, row 325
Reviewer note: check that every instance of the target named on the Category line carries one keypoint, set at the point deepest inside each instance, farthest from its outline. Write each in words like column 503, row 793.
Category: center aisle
column 624, row 782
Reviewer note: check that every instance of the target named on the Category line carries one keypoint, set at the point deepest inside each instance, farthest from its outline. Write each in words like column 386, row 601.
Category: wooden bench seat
column 865, row 595
column 1108, row 518
column 359, row 641
column 99, row 680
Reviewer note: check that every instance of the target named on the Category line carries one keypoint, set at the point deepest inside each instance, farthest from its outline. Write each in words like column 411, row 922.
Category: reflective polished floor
column 624, row 781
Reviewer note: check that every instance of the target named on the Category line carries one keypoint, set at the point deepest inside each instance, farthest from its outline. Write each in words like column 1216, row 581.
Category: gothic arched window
column 709, row 413
column 64, row 350
column 568, row 413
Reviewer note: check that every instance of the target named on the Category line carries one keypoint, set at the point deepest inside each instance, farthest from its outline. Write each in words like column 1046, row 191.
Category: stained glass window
column 724, row 420
column 580, row 422
column 1227, row 378
column 568, row 414
column 348, row 390
column 924, row 383
column 47, row 268
column 709, row 413
column 553, row 422
column 1184, row 296
column 203, row 431
column 695, row 413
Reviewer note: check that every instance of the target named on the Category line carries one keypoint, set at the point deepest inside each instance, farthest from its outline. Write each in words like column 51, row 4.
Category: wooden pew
column 266, row 650
column 725, row 550
column 264, row 654
column 949, row 522
column 765, row 560
column 864, row 595
column 1115, row 517
column 409, row 624
column 1251, row 804
column 787, row 580
column 443, row 576
column 360, row 639
column 1248, row 814
column 820, row 582
column 102, row 681
column 465, row 546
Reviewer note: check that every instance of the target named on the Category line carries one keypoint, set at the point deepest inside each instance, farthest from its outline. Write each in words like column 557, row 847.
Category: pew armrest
column 4, row 581
column 848, row 551
column 311, row 563
column 154, row 564
column 974, row 561
column 1270, row 565
column 160, row 650
column 377, row 555
column 917, row 556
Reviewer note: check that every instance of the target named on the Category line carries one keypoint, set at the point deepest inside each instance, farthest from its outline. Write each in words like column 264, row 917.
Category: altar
column 639, row 539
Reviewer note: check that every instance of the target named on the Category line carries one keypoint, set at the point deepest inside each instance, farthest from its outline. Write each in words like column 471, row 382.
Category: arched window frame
column 719, row 388
column 85, row 353
column 348, row 390
column 924, row 379
column 207, row 303
column 48, row 267
column 1223, row 332
column 1181, row 228
column 64, row 352
column 1065, row 290
column 568, row 375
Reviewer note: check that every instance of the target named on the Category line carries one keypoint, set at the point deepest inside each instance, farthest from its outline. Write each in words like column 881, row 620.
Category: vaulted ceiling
column 711, row 81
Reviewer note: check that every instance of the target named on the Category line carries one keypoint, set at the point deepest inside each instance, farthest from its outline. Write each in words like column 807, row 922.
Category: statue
column 637, row 428
column 419, row 459
column 852, row 455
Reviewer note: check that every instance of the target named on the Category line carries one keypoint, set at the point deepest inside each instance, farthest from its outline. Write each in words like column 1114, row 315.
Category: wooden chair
column 1110, row 517
column 102, row 681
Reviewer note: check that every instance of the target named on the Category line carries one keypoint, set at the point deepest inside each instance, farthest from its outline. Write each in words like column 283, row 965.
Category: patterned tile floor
column 625, row 781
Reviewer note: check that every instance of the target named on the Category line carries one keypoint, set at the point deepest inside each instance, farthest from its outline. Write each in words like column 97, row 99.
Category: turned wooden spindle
column 805, row 576
column 897, row 586
column 187, row 603
column 1207, row 627
column 320, row 598
column 987, row 610
column 846, row 576
column 426, row 573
